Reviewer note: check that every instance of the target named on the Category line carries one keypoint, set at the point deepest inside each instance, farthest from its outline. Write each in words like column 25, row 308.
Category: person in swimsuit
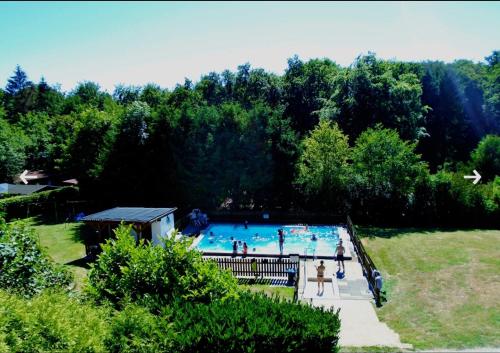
column 340, row 255
column 321, row 275
column 235, row 248
column 281, row 237
column 245, row 248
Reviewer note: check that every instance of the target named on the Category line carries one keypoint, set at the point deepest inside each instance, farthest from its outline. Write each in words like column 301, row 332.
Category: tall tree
column 17, row 82
column 305, row 86
column 12, row 150
column 385, row 170
column 322, row 169
column 371, row 92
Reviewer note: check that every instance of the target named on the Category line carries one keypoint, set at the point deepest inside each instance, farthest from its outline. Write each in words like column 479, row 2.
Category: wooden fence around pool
column 268, row 268
column 261, row 268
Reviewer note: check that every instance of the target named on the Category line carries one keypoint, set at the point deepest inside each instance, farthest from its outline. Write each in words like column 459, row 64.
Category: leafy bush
column 51, row 322
column 24, row 268
column 154, row 275
column 16, row 206
column 135, row 329
column 254, row 323
column 486, row 157
column 448, row 199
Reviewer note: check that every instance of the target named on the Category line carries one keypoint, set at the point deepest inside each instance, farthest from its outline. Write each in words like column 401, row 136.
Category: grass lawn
column 63, row 244
column 282, row 292
column 443, row 286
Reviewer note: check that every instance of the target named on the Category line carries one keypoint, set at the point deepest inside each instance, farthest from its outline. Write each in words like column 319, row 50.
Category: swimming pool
column 263, row 239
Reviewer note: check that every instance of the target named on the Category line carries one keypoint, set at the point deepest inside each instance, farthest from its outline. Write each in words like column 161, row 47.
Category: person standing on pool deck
column 235, row 248
column 281, row 237
column 245, row 248
column 246, row 224
column 321, row 275
column 340, row 255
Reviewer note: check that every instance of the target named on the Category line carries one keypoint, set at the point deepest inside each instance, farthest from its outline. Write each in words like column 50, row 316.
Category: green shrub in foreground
column 51, row 322
column 56, row 322
column 254, row 323
column 24, row 268
column 154, row 276
column 135, row 329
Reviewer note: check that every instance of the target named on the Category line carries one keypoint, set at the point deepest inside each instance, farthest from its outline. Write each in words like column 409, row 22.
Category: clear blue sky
column 137, row 43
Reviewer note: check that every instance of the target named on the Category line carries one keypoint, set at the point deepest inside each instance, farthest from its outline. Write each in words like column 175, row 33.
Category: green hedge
column 254, row 323
column 56, row 322
column 51, row 322
column 20, row 206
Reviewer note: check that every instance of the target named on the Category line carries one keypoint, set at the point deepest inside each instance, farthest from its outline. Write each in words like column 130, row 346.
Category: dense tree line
column 373, row 138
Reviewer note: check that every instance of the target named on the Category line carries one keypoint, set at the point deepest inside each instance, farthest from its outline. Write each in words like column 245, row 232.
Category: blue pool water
column 263, row 239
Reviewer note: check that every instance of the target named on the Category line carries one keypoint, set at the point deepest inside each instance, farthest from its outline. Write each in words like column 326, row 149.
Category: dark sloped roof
column 22, row 189
column 129, row 214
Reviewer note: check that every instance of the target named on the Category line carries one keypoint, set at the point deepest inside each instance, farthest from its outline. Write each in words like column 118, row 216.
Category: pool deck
column 349, row 292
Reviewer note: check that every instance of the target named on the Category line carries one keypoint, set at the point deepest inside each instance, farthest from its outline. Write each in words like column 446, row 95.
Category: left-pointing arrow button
column 25, row 177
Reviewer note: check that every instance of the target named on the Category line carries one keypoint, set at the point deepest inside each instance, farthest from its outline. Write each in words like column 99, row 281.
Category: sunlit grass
column 62, row 243
column 443, row 286
column 282, row 292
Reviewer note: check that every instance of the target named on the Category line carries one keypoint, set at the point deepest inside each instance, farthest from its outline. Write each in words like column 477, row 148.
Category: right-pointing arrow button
column 476, row 177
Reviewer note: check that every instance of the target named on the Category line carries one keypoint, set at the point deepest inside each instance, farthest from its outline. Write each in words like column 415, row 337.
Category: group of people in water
column 236, row 244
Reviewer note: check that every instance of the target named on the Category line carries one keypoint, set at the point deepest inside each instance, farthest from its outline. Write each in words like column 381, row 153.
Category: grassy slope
column 62, row 243
column 443, row 287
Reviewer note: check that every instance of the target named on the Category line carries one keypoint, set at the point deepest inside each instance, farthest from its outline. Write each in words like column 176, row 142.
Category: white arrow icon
column 24, row 177
column 476, row 177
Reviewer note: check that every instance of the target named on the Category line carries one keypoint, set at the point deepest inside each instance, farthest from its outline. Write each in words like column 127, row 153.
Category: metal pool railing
column 365, row 260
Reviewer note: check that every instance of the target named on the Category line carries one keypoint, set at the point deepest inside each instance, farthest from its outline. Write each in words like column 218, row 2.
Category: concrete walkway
column 349, row 291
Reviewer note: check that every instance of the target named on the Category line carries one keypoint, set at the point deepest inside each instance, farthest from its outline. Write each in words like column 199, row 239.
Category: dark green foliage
column 306, row 85
column 447, row 199
column 254, row 323
column 233, row 139
column 135, row 329
column 12, row 150
column 54, row 321
column 18, row 206
column 385, row 168
column 24, row 268
column 51, row 322
column 17, row 82
column 486, row 157
column 155, row 276
column 323, row 171
column 372, row 92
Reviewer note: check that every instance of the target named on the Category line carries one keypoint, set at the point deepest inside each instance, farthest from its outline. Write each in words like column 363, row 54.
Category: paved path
column 348, row 291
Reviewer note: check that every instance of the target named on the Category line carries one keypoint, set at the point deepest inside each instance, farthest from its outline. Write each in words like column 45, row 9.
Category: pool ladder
column 306, row 251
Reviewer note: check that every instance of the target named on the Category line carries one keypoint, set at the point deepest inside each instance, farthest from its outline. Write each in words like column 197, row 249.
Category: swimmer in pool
column 313, row 238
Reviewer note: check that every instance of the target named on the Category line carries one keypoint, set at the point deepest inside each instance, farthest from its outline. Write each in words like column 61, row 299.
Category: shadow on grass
column 376, row 232
column 83, row 262
column 80, row 233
